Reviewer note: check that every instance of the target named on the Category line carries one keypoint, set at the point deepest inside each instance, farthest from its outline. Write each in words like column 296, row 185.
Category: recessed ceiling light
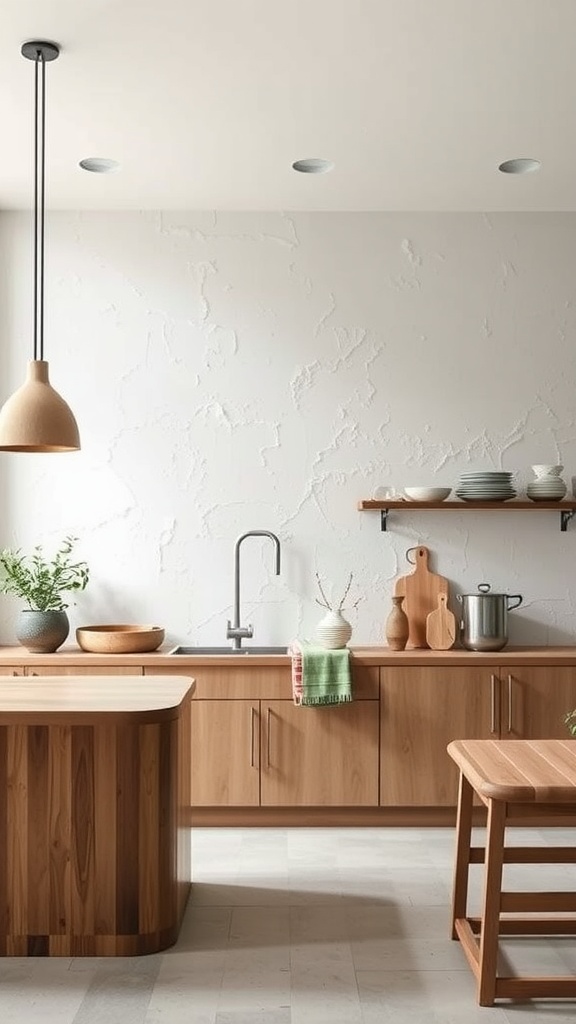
column 313, row 165
column 520, row 165
column 99, row 165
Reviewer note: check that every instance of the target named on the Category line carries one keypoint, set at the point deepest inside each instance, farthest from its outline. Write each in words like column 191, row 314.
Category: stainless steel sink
column 218, row 651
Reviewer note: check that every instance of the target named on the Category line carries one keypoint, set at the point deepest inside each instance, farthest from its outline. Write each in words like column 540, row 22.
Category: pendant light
column 35, row 418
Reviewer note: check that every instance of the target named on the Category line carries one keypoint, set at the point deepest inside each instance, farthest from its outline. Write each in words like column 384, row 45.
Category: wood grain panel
column 94, row 834
column 38, row 831
column 149, row 827
column 3, row 834
column 57, row 669
column 60, row 829
column 17, row 838
column 320, row 755
column 165, row 849
column 421, row 711
column 184, row 846
column 127, row 830
column 82, row 850
column 244, row 682
column 105, row 830
column 225, row 767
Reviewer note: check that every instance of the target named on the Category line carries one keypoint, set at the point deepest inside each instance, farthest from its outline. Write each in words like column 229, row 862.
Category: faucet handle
column 241, row 632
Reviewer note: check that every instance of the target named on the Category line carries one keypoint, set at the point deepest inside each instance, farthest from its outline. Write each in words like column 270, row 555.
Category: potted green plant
column 43, row 626
column 570, row 722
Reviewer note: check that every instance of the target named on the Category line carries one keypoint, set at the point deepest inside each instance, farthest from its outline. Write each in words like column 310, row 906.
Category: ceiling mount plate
column 31, row 49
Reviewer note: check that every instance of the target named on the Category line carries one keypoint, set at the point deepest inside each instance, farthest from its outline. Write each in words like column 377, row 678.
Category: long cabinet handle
column 509, row 702
column 493, row 703
column 252, row 720
column 268, row 721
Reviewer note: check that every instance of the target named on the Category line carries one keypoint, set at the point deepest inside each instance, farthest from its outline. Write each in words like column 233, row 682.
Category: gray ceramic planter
column 42, row 632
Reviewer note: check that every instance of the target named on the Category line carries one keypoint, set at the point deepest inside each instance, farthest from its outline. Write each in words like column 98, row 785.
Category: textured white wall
column 265, row 371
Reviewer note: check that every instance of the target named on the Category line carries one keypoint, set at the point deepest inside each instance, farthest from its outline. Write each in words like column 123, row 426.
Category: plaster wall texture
column 266, row 371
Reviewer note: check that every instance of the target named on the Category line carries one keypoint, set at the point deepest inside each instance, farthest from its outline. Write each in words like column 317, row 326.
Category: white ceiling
column 207, row 104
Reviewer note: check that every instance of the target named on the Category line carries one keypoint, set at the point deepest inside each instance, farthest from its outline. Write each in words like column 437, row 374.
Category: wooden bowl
column 119, row 639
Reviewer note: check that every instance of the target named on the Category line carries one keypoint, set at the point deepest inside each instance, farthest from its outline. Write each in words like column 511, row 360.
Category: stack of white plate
column 488, row 486
column 546, row 488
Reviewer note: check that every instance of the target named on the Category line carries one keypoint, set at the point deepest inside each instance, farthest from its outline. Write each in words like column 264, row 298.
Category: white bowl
column 427, row 493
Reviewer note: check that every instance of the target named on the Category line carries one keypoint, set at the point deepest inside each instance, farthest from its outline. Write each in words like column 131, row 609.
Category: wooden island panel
column 94, row 815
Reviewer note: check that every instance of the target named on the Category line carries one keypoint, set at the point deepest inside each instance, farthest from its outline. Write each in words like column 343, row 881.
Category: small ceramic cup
column 383, row 492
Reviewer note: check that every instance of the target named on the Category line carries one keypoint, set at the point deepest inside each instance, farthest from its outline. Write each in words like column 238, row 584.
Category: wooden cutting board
column 441, row 626
column 420, row 590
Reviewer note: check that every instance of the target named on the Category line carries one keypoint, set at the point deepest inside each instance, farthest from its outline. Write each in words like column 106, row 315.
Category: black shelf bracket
column 384, row 519
column 565, row 517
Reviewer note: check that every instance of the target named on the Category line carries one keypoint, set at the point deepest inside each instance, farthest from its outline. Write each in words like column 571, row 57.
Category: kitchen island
column 94, row 814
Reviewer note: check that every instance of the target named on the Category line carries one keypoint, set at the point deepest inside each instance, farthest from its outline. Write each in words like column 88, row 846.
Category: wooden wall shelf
column 565, row 508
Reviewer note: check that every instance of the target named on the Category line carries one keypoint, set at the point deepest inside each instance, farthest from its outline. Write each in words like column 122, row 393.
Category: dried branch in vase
column 325, row 603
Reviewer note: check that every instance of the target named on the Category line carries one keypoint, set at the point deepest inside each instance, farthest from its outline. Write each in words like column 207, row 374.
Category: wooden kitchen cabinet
column 319, row 756
column 421, row 710
column 534, row 701
column 274, row 754
column 225, row 753
column 252, row 746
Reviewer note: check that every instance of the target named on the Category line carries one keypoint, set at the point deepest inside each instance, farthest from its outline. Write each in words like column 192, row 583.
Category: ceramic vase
column 42, row 632
column 548, row 485
column 397, row 627
column 333, row 631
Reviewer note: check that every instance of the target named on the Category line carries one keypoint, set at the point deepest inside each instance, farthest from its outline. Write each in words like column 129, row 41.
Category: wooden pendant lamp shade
column 35, row 418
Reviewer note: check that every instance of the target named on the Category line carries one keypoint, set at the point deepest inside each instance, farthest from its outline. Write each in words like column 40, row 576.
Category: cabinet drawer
column 266, row 683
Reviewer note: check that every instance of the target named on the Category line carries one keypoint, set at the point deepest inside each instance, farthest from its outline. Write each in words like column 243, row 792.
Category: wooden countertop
column 70, row 698
column 377, row 655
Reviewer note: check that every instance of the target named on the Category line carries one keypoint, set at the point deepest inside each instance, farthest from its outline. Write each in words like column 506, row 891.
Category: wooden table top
column 70, row 697
column 519, row 771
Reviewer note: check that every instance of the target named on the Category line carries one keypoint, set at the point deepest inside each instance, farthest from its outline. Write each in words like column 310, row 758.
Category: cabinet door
column 319, row 756
column 535, row 700
column 421, row 711
column 225, row 753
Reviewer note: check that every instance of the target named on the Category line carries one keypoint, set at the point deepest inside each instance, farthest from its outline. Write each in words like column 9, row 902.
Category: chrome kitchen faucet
column 235, row 631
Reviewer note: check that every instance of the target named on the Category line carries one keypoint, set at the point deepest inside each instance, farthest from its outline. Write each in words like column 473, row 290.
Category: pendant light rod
column 39, row 163
column 36, row 210
column 39, row 52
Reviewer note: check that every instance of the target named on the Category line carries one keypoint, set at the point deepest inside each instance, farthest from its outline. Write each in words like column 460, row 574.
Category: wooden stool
column 521, row 782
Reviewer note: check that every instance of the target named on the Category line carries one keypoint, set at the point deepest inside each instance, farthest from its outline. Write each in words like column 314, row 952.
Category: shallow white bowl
column 427, row 493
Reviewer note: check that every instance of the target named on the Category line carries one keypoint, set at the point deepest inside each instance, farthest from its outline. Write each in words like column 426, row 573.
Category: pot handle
column 513, row 597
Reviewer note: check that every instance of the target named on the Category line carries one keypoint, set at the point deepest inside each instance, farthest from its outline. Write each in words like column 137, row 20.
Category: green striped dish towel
column 320, row 676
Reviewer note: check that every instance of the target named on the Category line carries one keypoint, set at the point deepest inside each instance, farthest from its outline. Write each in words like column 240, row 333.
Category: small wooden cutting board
column 441, row 626
column 420, row 590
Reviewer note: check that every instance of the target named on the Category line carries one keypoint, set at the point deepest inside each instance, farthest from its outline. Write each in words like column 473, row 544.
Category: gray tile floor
column 304, row 926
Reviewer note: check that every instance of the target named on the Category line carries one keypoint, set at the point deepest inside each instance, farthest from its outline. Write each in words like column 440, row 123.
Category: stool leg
column 462, row 858
column 494, row 857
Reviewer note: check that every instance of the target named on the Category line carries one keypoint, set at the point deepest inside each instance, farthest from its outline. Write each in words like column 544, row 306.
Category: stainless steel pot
column 484, row 625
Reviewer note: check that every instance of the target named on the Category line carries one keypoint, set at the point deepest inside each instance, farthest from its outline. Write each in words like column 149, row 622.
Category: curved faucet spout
column 235, row 631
